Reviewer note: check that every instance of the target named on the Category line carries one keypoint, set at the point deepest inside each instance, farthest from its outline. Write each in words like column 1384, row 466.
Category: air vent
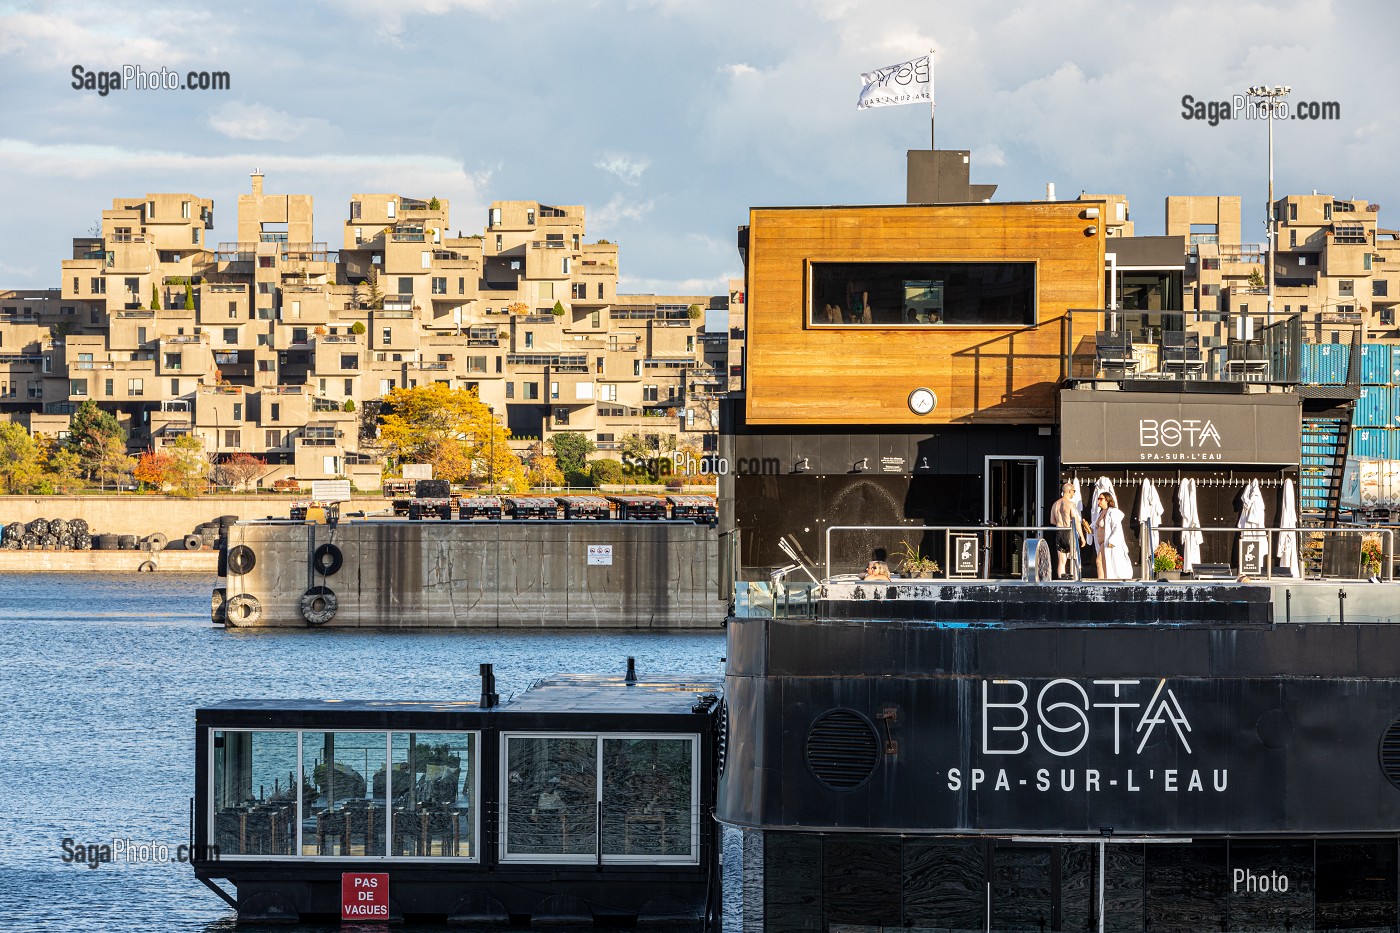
column 722, row 737
column 842, row 749
column 1390, row 753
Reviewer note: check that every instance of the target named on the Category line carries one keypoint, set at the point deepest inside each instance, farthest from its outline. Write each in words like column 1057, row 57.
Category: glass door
column 1011, row 498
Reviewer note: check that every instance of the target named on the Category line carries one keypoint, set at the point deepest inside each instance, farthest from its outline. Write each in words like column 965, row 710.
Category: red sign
column 364, row 895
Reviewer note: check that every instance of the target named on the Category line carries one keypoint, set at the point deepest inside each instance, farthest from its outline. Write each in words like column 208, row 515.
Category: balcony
column 397, row 306
column 336, row 338
column 183, row 338
column 429, row 366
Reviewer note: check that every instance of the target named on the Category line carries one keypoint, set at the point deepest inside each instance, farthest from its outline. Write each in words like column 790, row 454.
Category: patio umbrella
column 1190, row 518
column 1288, row 540
column 1252, row 516
column 1150, row 513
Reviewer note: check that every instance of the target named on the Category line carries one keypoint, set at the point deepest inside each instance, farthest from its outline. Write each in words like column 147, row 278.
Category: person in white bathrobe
column 1114, row 561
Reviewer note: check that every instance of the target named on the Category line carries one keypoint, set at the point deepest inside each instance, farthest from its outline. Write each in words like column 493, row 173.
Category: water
column 100, row 677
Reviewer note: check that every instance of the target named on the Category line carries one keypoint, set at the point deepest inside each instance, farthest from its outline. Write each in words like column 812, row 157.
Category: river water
column 99, row 680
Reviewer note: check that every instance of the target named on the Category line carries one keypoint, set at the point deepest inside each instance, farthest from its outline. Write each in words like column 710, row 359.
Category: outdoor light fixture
column 1271, row 98
column 1090, row 230
column 861, row 464
column 802, row 466
column 1089, row 213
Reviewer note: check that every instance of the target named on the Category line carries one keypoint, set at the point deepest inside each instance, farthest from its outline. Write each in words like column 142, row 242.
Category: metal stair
column 1326, row 438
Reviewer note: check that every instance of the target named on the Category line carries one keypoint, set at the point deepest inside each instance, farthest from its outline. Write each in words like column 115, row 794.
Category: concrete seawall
column 141, row 515
column 662, row 575
column 205, row 562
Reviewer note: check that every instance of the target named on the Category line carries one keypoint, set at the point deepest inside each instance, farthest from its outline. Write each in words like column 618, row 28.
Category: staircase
column 1326, row 437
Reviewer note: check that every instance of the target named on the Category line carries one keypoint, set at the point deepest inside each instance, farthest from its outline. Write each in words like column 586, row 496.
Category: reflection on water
column 101, row 676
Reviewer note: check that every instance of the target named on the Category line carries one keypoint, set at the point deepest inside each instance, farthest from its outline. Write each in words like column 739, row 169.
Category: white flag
column 909, row 82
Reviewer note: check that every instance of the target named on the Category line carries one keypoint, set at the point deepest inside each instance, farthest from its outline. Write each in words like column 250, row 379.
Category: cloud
column 238, row 120
column 626, row 168
column 617, row 211
column 390, row 17
column 990, row 154
column 739, row 70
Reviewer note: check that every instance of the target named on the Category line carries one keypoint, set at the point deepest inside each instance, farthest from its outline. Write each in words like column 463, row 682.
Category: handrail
column 1145, row 555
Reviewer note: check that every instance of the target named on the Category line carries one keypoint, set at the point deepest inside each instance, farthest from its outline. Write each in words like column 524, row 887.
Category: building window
column 1302, row 260
column 530, row 217
column 266, row 262
column 600, row 291
column 272, row 439
column 596, row 319
column 510, row 390
column 237, row 411
column 108, row 387
column 1379, row 288
column 1210, row 265
column 607, row 392
column 499, row 241
column 1388, row 317
column 276, row 411
column 1292, row 211
column 579, row 291
column 230, row 335
column 529, row 338
column 174, row 386
column 461, row 285
column 135, row 387
column 895, row 294
column 1293, row 239
column 554, row 390
column 388, row 336
column 1327, row 211
column 636, row 367
column 440, row 285
column 649, row 393
column 389, row 208
column 1346, row 288
column 78, row 387
column 349, row 361
column 173, row 360
column 233, row 439
column 98, row 286
column 598, row 365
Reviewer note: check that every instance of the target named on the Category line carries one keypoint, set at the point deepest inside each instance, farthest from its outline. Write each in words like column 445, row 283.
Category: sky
column 669, row 119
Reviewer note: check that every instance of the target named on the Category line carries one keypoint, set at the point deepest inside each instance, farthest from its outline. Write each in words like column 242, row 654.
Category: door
column 1054, row 887
column 1011, row 498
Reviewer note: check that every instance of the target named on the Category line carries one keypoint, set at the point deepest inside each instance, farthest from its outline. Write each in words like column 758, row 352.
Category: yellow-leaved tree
column 454, row 431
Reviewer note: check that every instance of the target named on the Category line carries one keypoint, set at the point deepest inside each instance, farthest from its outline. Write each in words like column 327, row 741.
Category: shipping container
column 1375, row 407
column 1380, row 365
column 1325, row 363
column 1373, row 443
column 1371, row 484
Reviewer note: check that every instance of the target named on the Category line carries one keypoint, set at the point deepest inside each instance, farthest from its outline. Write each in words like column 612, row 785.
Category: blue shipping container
column 1374, row 407
column 1394, row 445
column 1325, row 364
column 1374, row 443
column 1379, row 365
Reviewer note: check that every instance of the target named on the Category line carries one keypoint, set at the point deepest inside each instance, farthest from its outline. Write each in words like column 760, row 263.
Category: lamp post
column 1271, row 99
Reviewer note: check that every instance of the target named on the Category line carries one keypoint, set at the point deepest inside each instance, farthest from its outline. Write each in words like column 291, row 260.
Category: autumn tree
column 90, row 432
column 647, row 456
column 114, row 464
column 61, row 466
column 453, row 430
column 189, row 467
column 155, row 469
column 541, row 468
column 239, row 470
column 20, row 463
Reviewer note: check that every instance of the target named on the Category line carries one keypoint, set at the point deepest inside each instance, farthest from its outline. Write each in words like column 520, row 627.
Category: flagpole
column 931, row 145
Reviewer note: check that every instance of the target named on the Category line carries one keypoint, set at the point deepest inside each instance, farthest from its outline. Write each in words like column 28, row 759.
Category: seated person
column 876, row 570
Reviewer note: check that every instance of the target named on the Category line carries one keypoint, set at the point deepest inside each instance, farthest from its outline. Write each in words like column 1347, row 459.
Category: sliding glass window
column 633, row 796
column 254, row 792
column 921, row 294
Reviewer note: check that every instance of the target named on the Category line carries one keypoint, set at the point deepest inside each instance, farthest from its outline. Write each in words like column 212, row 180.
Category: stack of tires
column 210, row 535
column 47, row 534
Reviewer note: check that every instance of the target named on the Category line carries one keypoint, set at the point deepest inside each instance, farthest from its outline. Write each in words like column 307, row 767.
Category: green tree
column 694, row 312
column 20, row 464
column 155, row 297
column 374, row 295
column 89, row 432
column 62, row 468
column 558, row 309
column 189, row 296
column 358, row 328
column 434, row 204
column 572, row 450
column 606, row 471
column 451, row 429
column 114, row 464
column 1256, row 279
column 647, row 456
column 349, row 404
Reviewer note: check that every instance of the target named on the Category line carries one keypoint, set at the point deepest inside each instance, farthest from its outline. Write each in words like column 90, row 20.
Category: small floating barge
column 584, row 799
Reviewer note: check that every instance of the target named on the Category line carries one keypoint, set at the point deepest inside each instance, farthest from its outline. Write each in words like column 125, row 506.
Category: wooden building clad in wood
column 850, row 309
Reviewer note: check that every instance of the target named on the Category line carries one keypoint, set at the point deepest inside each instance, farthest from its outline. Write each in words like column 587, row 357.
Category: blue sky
column 669, row 119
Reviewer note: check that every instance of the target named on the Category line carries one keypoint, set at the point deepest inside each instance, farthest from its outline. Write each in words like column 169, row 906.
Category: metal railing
column 1260, row 563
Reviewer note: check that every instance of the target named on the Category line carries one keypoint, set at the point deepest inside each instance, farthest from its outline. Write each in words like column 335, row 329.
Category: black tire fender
column 318, row 605
column 193, row 542
column 241, row 559
column 243, row 609
column 147, row 566
column 328, row 560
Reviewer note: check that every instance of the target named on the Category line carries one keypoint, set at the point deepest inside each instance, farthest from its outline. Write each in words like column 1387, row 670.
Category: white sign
column 600, row 555
column 417, row 471
column 330, row 490
column 908, row 82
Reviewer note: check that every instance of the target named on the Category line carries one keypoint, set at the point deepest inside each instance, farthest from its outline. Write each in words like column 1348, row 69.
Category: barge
column 585, row 798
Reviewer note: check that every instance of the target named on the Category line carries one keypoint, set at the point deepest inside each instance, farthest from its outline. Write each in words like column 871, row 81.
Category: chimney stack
column 489, row 697
column 257, row 182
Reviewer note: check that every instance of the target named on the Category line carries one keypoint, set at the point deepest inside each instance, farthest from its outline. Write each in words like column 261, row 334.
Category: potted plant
column 914, row 564
column 1371, row 556
column 1166, row 562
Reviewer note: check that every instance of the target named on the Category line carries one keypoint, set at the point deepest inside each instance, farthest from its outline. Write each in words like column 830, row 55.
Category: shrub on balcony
column 189, row 296
column 358, row 328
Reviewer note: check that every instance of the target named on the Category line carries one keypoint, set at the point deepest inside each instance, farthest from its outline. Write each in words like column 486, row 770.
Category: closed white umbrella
column 1150, row 513
column 1288, row 540
column 1252, row 516
column 1190, row 518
